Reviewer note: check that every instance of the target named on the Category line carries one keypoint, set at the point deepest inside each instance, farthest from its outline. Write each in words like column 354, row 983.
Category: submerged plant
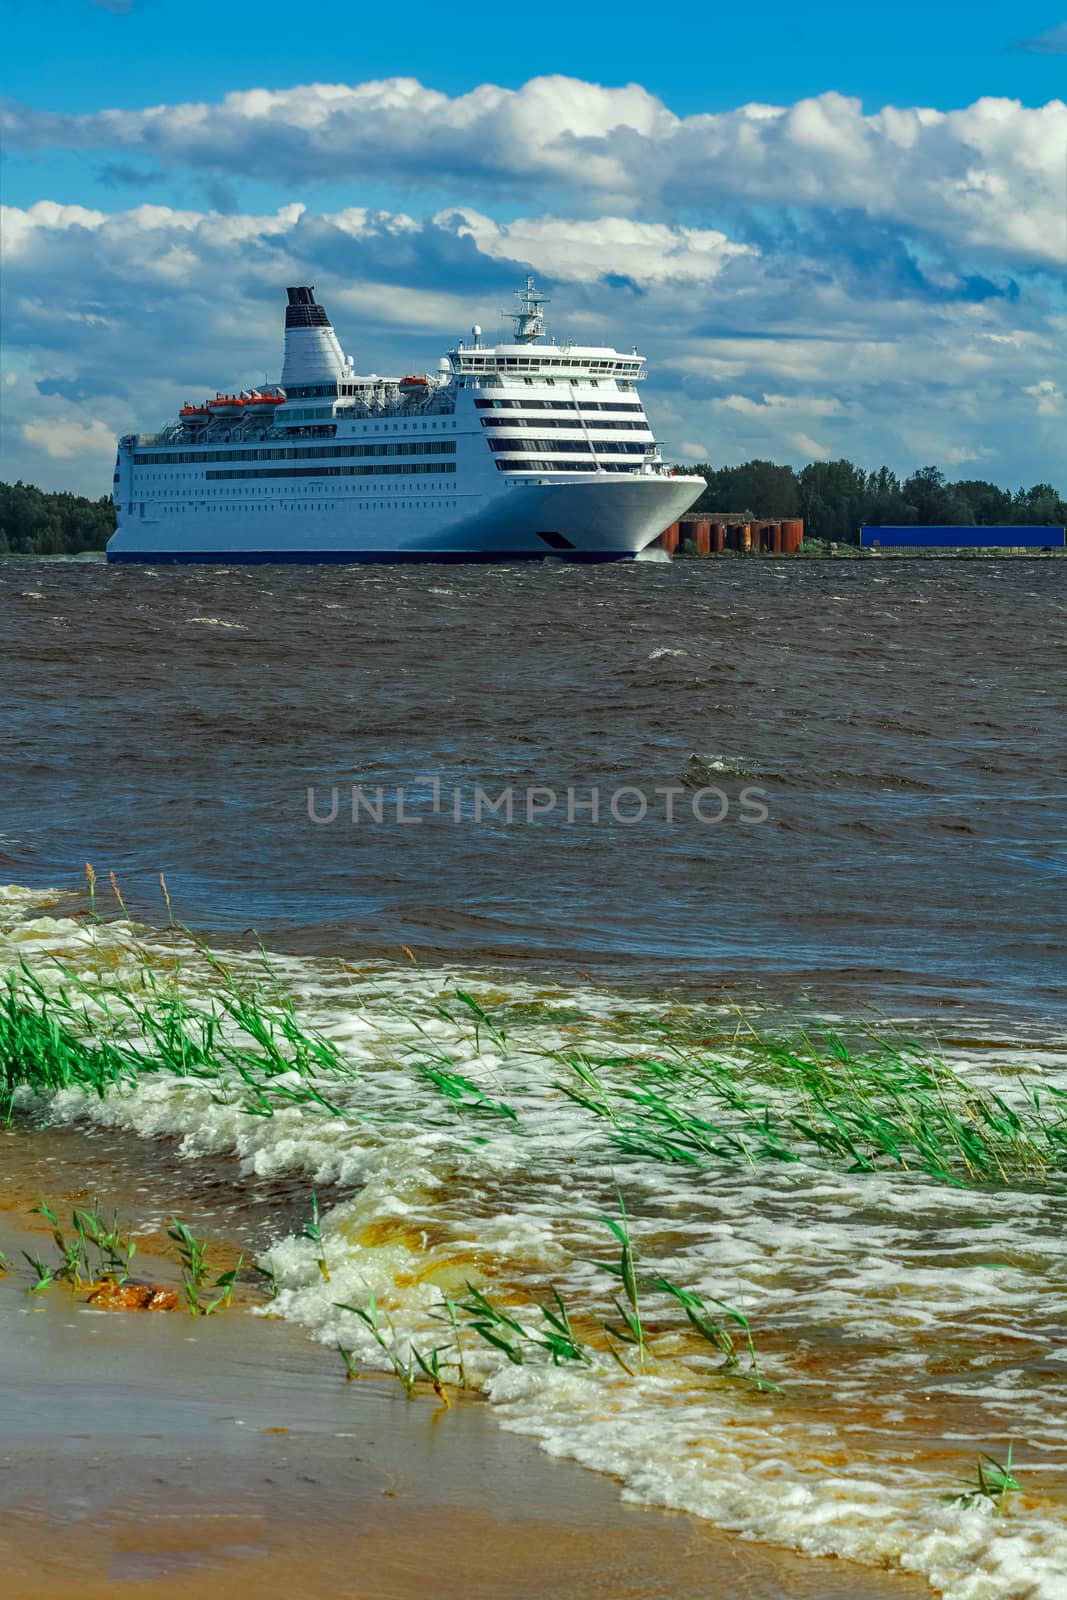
column 430, row 1366
column 451, row 1316
column 192, row 1258
column 632, row 1331
column 993, row 1482
column 96, row 1250
column 368, row 1315
column 225, row 1281
column 498, row 1328
column 720, row 1338
column 115, row 1249
column 70, row 1250
column 559, row 1339
column 347, row 1356
column 45, row 1275
column 270, row 1273
column 464, row 1094
column 311, row 1230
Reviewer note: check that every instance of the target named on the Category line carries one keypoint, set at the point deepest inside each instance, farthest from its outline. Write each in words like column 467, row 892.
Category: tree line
column 835, row 498
column 36, row 523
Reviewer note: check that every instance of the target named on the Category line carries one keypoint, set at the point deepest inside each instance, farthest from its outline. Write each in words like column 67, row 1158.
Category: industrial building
column 712, row 533
column 1005, row 537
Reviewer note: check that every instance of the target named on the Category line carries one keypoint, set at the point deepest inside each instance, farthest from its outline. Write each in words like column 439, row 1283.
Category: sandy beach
column 159, row 1455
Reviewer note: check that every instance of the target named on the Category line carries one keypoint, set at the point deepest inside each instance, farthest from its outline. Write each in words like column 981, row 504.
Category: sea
column 575, row 870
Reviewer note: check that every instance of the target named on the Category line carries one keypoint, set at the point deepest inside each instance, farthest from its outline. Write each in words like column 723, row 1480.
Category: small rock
column 133, row 1297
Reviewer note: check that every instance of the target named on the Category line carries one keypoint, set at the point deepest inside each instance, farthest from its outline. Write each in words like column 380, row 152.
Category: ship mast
column 529, row 318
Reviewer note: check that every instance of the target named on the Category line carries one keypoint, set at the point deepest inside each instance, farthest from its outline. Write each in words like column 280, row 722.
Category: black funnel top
column 302, row 312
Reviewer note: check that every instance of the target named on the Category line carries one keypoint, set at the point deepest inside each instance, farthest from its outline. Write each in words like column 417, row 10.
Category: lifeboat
column 413, row 388
column 226, row 405
column 259, row 404
column 194, row 416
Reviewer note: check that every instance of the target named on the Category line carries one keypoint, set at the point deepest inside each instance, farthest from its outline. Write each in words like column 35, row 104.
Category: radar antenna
column 528, row 319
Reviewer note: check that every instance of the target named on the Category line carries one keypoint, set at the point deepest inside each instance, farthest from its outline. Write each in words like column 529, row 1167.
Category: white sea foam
column 904, row 1319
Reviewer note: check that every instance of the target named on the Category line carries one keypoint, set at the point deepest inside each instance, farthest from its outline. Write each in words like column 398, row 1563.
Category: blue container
column 961, row 538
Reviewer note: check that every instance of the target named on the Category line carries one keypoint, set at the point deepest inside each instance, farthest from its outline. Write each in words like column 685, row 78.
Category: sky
column 834, row 230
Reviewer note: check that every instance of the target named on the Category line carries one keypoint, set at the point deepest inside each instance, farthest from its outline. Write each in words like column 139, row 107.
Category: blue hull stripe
column 351, row 558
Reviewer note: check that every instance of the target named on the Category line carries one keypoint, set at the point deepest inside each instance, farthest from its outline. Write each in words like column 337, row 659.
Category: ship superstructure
column 508, row 451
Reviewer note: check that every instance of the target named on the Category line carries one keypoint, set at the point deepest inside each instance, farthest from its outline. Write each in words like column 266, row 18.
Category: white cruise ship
column 512, row 451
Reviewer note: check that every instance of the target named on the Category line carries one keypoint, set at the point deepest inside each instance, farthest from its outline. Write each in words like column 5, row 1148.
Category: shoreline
column 841, row 552
column 177, row 1454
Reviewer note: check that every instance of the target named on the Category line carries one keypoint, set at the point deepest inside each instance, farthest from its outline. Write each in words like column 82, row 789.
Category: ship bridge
column 531, row 355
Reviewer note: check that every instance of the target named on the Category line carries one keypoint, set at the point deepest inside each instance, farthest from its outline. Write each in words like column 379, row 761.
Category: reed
column 993, row 1482
column 192, row 1258
column 450, row 1313
column 96, row 1250
column 45, row 1277
column 812, row 1098
column 632, row 1331
column 808, row 1097
column 720, row 1338
column 403, row 1367
column 312, row 1230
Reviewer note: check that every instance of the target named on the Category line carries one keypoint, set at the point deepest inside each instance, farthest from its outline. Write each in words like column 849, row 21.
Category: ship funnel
column 312, row 353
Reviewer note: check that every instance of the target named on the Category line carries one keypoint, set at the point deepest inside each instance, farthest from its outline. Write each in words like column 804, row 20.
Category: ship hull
column 592, row 520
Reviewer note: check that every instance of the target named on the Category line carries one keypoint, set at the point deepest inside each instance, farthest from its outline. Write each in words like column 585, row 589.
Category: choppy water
column 903, row 723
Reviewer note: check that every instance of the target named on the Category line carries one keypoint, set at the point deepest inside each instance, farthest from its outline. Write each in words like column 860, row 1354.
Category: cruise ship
column 521, row 450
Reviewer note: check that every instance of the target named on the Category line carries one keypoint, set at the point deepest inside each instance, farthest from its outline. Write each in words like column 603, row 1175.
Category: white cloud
column 809, row 404
column 1049, row 397
column 807, row 446
column 987, row 176
column 794, row 350
column 583, row 251
column 61, row 440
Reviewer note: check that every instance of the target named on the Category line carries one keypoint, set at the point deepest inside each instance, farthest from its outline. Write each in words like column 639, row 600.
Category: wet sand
column 159, row 1455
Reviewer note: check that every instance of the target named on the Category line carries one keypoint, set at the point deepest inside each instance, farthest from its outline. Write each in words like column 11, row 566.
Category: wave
column 475, row 1130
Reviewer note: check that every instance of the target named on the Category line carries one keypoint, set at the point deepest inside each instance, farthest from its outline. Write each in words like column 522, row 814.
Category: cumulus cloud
column 641, row 252
column 790, row 350
column 987, row 176
column 61, row 438
column 1048, row 397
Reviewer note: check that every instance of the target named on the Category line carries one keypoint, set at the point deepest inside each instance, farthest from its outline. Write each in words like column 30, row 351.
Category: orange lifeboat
column 194, row 416
column 413, row 388
column 262, row 404
column 225, row 405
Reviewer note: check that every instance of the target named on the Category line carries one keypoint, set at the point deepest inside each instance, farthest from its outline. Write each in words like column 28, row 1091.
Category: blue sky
column 695, row 57
column 822, row 278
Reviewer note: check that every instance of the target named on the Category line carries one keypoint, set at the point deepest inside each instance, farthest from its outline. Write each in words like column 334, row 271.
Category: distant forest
column 833, row 498
column 33, row 523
